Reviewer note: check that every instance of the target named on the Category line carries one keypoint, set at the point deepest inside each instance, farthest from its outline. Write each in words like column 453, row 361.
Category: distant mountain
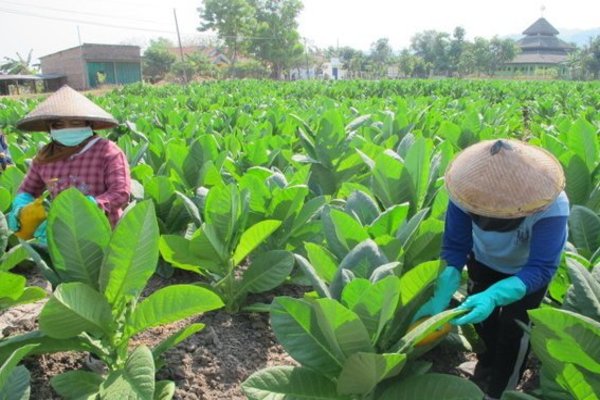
column 578, row 36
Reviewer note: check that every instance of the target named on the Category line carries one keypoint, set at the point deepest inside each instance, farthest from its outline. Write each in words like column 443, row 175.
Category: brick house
column 90, row 65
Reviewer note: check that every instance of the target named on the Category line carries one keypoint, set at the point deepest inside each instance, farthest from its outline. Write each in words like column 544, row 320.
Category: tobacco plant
column 223, row 241
column 14, row 379
column 97, row 307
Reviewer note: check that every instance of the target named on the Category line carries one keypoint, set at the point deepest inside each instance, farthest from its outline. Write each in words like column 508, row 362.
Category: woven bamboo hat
column 504, row 179
column 66, row 103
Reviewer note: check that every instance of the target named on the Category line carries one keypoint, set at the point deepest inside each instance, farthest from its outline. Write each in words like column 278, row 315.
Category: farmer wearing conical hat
column 75, row 157
column 507, row 222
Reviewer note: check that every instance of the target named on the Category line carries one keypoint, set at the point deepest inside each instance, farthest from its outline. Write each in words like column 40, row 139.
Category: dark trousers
column 507, row 345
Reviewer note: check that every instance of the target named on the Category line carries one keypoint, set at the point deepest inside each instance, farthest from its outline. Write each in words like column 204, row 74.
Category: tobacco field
column 280, row 238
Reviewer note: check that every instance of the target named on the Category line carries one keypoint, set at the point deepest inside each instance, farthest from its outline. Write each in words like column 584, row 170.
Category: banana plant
column 223, row 241
column 14, row 379
column 97, row 308
column 336, row 345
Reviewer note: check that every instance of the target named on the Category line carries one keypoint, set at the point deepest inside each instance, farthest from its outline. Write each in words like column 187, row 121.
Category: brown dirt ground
column 211, row 364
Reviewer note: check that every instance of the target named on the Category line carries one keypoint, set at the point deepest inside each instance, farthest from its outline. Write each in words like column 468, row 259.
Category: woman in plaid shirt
column 76, row 157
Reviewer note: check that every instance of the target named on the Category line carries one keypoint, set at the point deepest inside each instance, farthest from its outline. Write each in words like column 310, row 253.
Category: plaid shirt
column 100, row 170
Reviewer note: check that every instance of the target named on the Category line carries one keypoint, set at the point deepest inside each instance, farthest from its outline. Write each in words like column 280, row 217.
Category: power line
column 128, row 27
column 79, row 12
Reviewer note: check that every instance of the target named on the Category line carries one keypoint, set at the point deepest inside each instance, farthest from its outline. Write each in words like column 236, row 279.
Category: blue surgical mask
column 71, row 136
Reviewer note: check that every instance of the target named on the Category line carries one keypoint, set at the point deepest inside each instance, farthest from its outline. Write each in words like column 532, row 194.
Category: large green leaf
column 342, row 231
column 77, row 384
column 322, row 260
column 344, row 331
column 8, row 366
column 253, row 237
column 374, row 303
column 171, row 304
column 165, row 390
column 362, row 206
column 418, row 279
column 17, row 385
column 578, row 178
column 584, row 230
column 44, row 344
column 78, row 234
column 583, row 296
column 390, row 182
column 289, row 383
column 319, row 285
column 223, row 209
column 267, row 271
column 175, row 250
column 418, row 164
column 75, row 308
column 583, row 140
column 363, row 371
column 11, row 285
column 135, row 381
column 389, row 221
column 426, row 243
column 132, row 254
column 433, row 386
column 29, row 295
column 296, row 327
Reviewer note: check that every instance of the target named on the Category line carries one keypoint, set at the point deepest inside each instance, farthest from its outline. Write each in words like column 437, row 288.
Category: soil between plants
column 212, row 364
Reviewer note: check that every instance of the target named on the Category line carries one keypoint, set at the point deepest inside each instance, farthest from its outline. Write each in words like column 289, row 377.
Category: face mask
column 71, row 136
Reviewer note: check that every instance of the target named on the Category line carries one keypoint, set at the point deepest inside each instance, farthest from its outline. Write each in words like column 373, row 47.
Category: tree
column 19, row 65
column 501, row 52
column 434, row 48
column 592, row 63
column 234, row 21
column 381, row 55
column 277, row 41
column 158, row 59
column 457, row 47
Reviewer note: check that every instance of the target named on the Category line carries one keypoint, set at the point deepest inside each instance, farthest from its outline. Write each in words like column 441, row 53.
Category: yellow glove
column 31, row 216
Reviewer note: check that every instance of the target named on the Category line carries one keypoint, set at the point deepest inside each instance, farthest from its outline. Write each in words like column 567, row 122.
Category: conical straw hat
column 66, row 103
column 504, row 179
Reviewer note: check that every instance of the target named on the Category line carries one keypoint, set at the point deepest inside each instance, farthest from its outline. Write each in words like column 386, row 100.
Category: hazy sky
column 355, row 23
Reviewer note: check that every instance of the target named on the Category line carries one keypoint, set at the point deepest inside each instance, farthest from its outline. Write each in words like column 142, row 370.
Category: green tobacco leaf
column 44, row 344
column 267, row 271
column 11, row 179
column 389, row 181
column 344, row 331
column 389, row 221
column 417, row 163
column 363, row 371
column 171, row 304
column 175, row 250
column 77, row 384
column 425, row 328
column 191, row 208
column 580, row 383
column 584, row 230
column 75, row 308
column 374, row 303
column 578, row 178
column 132, row 254
column 418, row 279
column 17, row 385
column 426, row 243
column 583, row 140
column 322, row 260
column 319, row 285
column 5, row 199
column 78, row 234
column 11, row 285
column 517, row 396
column 584, row 296
column 290, row 383
column 295, row 325
column 13, row 257
column 433, row 386
column 135, row 381
column 362, row 206
column 342, row 231
column 175, row 339
column 222, row 210
column 287, row 202
column 8, row 366
column 165, row 390
column 30, row 295
column 253, row 237
column 409, row 229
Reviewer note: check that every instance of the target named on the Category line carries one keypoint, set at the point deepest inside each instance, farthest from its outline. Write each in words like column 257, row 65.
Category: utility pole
column 78, row 35
column 185, row 78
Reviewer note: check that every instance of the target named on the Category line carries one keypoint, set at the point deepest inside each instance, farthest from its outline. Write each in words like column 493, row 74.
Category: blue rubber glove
column 20, row 201
column 40, row 233
column 446, row 285
column 482, row 304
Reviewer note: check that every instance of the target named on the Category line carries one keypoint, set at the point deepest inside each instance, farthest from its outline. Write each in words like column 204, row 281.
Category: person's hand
column 481, row 305
column 446, row 285
column 20, row 201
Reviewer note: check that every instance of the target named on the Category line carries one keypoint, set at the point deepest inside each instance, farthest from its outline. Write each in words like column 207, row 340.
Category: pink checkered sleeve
column 117, row 183
column 33, row 183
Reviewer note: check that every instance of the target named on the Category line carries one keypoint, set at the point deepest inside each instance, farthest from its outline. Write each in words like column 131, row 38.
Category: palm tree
column 19, row 65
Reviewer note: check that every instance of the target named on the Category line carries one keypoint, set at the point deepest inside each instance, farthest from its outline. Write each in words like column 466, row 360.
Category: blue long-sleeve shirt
column 531, row 252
